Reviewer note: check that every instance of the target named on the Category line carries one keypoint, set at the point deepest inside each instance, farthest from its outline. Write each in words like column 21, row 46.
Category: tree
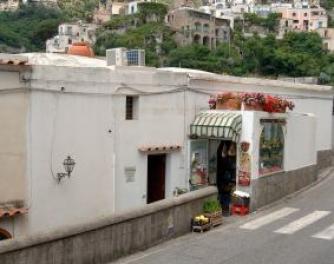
column 78, row 9
column 28, row 28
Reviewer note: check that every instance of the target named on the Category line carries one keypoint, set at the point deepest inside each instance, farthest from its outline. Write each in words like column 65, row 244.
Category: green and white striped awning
column 217, row 124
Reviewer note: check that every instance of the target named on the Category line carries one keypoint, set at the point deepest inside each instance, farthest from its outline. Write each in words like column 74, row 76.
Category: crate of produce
column 213, row 211
column 200, row 224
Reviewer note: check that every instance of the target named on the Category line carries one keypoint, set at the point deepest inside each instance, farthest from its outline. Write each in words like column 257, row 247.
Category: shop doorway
column 156, row 172
column 4, row 234
column 226, row 173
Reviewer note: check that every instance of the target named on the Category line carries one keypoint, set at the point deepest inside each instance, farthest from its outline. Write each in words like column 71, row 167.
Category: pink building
column 303, row 19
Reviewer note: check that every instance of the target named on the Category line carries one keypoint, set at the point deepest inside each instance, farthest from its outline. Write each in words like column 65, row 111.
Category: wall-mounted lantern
column 68, row 166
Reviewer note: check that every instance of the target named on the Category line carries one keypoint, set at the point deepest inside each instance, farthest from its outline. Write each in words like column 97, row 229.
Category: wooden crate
column 216, row 218
column 201, row 228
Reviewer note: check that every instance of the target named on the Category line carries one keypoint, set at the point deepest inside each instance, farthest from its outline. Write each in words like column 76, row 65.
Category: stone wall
column 270, row 188
column 110, row 238
column 324, row 159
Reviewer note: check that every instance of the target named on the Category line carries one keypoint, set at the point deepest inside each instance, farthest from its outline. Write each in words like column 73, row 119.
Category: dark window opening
column 131, row 107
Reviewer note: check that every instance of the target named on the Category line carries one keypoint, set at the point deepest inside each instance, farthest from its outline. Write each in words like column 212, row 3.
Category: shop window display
column 271, row 146
column 199, row 164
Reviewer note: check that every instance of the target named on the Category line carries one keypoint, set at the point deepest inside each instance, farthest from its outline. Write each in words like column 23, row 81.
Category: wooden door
column 156, row 170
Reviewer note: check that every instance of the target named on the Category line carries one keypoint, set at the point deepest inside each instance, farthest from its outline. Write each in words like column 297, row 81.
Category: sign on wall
column 244, row 173
column 130, row 173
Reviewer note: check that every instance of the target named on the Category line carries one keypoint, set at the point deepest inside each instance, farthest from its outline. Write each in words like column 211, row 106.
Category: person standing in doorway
column 226, row 173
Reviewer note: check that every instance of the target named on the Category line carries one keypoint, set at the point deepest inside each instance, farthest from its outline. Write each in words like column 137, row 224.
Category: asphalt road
column 298, row 229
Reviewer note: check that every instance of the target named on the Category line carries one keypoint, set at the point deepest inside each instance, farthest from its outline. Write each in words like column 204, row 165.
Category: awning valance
column 217, row 124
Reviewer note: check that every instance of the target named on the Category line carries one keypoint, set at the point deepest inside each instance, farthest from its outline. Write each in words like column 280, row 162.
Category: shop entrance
column 226, row 173
column 156, row 170
column 4, row 234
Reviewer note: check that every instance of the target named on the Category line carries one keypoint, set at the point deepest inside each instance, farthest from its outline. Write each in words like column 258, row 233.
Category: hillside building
column 303, row 19
column 9, row 5
column 194, row 26
column 70, row 33
column 107, row 8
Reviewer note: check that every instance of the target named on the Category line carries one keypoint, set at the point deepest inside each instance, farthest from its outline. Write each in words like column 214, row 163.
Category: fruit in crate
column 201, row 220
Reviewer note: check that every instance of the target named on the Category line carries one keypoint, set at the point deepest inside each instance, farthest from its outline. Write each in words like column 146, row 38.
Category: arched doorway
column 197, row 39
column 206, row 41
column 4, row 234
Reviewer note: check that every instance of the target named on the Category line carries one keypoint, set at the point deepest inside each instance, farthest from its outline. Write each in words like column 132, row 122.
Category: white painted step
column 302, row 222
column 269, row 218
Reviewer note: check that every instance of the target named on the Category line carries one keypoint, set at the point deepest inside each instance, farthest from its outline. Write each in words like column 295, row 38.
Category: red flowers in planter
column 276, row 104
column 250, row 101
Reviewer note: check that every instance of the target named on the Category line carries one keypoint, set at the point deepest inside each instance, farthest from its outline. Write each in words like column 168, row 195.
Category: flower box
column 250, row 101
column 229, row 104
column 253, row 107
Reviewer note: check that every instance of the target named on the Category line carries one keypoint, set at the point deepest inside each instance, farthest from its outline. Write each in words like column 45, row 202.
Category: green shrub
column 211, row 206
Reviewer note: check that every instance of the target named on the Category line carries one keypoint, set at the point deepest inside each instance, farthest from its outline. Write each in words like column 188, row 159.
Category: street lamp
column 68, row 166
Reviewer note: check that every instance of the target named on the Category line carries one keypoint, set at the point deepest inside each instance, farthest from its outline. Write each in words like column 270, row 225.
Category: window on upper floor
column 131, row 107
column 293, row 14
column 69, row 30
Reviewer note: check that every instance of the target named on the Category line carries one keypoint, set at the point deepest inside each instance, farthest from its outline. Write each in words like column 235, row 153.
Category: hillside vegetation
column 28, row 28
column 297, row 54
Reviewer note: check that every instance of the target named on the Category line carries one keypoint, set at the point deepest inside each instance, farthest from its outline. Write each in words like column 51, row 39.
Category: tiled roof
column 12, row 61
column 159, row 148
column 12, row 211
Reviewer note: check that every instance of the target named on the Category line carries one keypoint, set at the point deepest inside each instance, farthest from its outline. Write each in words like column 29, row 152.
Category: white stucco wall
column 13, row 120
column 322, row 110
column 65, row 124
column 300, row 141
column 160, row 122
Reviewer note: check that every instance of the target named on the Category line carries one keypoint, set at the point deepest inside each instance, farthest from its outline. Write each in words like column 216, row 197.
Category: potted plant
column 213, row 211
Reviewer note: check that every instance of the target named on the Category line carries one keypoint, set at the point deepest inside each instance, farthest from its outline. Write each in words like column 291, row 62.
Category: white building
column 106, row 9
column 9, row 5
column 123, row 126
column 69, row 33
column 131, row 7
